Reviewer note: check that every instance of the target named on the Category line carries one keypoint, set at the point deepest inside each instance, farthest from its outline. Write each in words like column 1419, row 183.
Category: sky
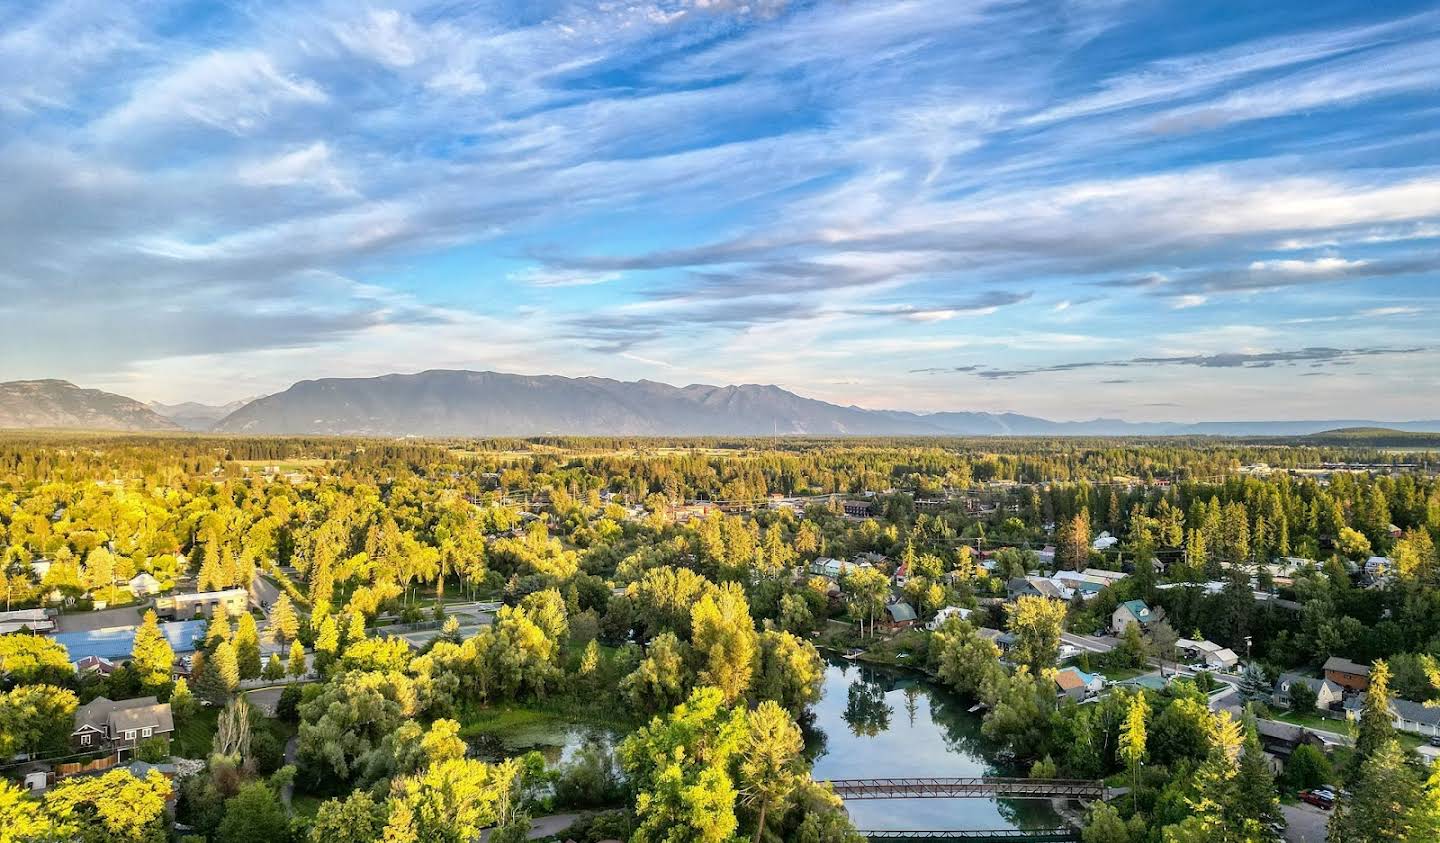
column 1072, row 208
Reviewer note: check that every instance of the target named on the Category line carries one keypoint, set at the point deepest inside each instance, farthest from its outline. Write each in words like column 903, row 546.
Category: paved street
column 1090, row 643
column 1306, row 823
column 541, row 827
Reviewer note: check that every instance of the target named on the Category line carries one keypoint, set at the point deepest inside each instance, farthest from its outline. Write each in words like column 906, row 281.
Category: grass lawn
column 305, row 805
column 1120, row 674
column 194, row 737
column 1314, row 722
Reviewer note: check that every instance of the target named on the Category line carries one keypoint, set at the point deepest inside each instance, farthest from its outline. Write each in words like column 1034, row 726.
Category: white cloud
column 1188, row 301
column 236, row 91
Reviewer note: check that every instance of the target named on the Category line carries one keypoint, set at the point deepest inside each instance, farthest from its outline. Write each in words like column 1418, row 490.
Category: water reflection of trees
column 866, row 711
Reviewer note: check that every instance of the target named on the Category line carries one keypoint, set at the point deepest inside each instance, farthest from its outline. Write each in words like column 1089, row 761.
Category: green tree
column 254, row 815
column 963, row 659
column 1104, row 825
column 791, row 671
column 1036, row 623
column 1132, row 741
column 451, row 802
column 1307, row 767
column 662, row 680
column 274, row 668
column 247, row 647
column 114, row 808
column 679, row 766
column 296, row 666
column 1255, row 796
column 33, row 660
column 36, row 719
column 1382, row 798
column 284, row 624
column 724, row 641
column 1376, row 726
column 355, row 819
column 152, row 656
column 769, row 762
column 865, row 591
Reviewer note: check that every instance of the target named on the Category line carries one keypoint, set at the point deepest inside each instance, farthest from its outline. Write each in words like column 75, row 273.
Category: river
column 869, row 723
column 880, row 723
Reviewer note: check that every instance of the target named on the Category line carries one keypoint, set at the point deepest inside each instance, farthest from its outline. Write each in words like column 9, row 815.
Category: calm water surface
column 870, row 723
column 875, row 723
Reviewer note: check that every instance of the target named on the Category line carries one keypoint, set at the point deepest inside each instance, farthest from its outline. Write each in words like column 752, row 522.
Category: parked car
column 1319, row 798
column 1435, row 740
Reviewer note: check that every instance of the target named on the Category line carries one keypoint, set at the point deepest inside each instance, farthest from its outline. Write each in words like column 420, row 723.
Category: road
column 1305, row 823
column 1090, row 643
column 541, row 827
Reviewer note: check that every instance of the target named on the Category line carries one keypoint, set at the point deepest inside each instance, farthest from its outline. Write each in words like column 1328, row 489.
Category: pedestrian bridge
column 986, row 787
column 995, row 835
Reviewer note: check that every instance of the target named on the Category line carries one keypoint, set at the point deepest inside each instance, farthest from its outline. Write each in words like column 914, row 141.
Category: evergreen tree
column 1376, row 726
column 297, row 666
column 1382, row 801
column 247, row 647
column 284, row 625
column 1255, row 796
column 1254, row 686
column 274, row 669
column 152, row 656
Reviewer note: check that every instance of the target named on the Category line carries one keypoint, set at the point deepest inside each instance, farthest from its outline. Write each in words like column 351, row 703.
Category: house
column 1037, row 587
column 902, row 573
column 1326, row 692
column 834, row 569
column 103, row 723
column 899, row 616
column 1394, row 531
column 946, row 614
column 1131, row 611
column 1377, row 567
column 1047, row 556
column 1406, row 716
column 1109, row 577
column 856, row 509
column 1282, row 739
column 1212, row 655
column 1104, row 542
column 202, row 604
column 1003, row 640
column 21, row 620
column 40, row 567
column 1076, row 684
column 1347, row 674
column 95, row 664
column 143, row 584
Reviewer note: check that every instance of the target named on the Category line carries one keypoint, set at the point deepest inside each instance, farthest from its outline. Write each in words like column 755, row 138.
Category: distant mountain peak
column 54, row 403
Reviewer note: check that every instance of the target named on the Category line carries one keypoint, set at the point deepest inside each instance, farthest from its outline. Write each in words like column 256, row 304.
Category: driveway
column 1305, row 823
column 266, row 699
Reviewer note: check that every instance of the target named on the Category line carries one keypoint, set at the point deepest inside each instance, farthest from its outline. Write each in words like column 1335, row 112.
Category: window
column 84, row 740
column 145, row 733
column 129, row 734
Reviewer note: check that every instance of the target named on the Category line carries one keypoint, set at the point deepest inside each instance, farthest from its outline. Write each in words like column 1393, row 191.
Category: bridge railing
column 979, row 787
column 997, row 835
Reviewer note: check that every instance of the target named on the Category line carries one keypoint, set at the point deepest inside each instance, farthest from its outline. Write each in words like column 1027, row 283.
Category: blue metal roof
column 118, row 642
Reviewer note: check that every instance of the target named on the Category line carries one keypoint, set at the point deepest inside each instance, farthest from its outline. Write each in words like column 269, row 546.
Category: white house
column 1212, row 655
column 1407, row 716
column 143, row 584
column 946, row 614
column 1104, row 541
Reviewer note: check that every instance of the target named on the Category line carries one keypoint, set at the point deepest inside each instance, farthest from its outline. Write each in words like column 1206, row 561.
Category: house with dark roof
column 120, row 724
column 899, row 616
column 1406, row 715
column 1347, row 674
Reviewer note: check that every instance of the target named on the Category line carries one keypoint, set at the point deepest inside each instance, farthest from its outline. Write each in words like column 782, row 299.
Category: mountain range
column 192, row 415
column 465, row 403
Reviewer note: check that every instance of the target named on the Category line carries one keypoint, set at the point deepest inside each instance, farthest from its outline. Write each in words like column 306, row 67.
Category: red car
column 1319, row 798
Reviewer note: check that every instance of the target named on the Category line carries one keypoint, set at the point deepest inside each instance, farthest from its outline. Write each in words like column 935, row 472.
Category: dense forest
column 698, row 629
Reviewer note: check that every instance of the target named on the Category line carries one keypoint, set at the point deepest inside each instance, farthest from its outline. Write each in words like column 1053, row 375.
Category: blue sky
column 1069, row 208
